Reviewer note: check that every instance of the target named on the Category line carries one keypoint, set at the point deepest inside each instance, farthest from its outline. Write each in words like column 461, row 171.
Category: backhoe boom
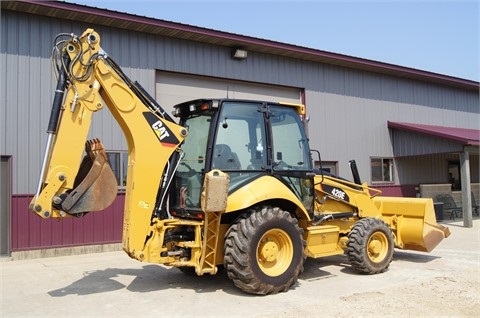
column 72, row 186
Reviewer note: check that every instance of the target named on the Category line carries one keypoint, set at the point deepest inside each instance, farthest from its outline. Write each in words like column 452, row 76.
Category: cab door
column 239, row 147
column 290, row 153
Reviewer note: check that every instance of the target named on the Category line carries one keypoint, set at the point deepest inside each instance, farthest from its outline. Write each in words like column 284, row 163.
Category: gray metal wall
column 349, row 109
column 435, row 171
column 353, row 109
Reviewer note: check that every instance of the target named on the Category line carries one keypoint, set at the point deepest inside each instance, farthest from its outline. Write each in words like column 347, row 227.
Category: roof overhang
column 98, row 16
column 410, row 139
column 465, row 136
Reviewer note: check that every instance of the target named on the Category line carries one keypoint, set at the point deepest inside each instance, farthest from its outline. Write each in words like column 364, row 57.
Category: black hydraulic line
column 333, row 216
column 342, row 215
column 143, row 94
column 58, row 97
column 161, row 204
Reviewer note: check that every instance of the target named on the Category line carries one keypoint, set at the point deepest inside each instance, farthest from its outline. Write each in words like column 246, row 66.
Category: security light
column 239, row 54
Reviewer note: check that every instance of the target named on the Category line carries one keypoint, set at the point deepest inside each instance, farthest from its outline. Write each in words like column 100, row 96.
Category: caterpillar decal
column 164, row 134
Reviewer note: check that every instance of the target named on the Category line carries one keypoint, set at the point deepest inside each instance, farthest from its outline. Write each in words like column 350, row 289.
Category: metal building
column 404, row 127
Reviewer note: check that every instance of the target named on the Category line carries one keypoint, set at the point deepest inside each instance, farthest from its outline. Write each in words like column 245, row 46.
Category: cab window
column 290, row 144
column 239, row 143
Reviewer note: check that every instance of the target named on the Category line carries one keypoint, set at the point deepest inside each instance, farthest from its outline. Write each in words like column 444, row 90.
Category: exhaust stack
column 355, row 174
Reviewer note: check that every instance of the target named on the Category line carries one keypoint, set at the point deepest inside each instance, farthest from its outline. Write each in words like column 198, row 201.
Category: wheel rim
column 377, row 247
column 274, row 252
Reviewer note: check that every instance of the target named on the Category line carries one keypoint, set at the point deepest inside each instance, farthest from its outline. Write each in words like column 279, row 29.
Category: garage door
column 174, row 88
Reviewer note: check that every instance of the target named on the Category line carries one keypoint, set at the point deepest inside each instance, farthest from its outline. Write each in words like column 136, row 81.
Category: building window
column 382, row 169
column 119, row 162
column 328, row 167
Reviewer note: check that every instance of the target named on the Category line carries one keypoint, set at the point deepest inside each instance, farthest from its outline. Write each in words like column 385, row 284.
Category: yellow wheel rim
column 377, row 247
column 274, row 252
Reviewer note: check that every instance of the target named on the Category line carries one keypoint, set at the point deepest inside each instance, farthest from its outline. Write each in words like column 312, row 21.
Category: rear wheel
column 370, row 246
column 265, row 251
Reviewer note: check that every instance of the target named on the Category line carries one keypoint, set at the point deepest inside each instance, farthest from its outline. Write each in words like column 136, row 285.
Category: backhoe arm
column 70, row 185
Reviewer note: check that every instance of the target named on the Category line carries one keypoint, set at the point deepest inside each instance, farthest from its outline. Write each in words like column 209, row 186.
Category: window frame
column 328, row 166
column 305, row 163
column 255, row 126
column 123, row 167
column 391, row 173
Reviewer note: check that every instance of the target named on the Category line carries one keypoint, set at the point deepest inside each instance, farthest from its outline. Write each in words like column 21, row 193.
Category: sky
column 435, row 36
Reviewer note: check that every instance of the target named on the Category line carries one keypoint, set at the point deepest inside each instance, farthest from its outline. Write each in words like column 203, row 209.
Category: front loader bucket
column 413, row 222
column 95, row 186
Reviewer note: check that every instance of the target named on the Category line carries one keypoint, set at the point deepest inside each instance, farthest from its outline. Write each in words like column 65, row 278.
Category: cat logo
column 163, row 133
column 160, row 130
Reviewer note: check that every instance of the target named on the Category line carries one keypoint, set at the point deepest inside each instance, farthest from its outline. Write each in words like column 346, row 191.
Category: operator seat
column 224, row 158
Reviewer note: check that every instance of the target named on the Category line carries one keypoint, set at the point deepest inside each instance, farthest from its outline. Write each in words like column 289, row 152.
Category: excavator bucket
column 95, row 186
column 413, row 221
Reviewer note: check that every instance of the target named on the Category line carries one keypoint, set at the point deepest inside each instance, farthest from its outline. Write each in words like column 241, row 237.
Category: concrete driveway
column 445, row 282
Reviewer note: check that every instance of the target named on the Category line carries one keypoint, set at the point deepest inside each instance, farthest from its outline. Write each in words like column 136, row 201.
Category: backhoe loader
column 230, row 186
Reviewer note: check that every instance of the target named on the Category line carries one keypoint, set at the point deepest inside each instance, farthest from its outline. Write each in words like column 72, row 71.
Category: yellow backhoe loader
column 230, row 186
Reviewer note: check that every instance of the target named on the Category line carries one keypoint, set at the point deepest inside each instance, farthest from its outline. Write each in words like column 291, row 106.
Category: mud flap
column 413, row 221
column 95, row 186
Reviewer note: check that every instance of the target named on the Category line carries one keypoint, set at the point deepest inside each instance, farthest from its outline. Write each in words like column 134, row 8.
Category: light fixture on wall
column 239, row 54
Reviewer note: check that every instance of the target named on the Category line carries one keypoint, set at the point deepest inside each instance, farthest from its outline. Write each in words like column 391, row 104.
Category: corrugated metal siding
column 349, row 107
column 353, row 125
column 413, row 144
column 32, row 232
column 27, row 91
column 432, row 169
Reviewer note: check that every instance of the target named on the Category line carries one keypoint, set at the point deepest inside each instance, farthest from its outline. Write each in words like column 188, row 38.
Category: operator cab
column 246, row 139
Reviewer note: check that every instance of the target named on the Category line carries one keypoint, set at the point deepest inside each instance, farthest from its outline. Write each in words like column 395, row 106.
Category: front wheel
column 370, row 246
column 265, row 251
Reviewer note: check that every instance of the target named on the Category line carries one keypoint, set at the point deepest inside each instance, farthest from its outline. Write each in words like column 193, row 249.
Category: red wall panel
column 397, row 190
column 29, row 231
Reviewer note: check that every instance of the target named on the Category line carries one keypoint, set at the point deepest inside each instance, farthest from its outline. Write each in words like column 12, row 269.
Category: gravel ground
column 445, row 282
